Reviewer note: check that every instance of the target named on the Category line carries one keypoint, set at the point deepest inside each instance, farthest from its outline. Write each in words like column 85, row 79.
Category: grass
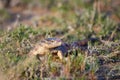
column 70, row 26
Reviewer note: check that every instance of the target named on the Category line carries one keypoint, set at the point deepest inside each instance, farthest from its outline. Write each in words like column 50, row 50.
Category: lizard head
column 44, row 45
column 51, row 42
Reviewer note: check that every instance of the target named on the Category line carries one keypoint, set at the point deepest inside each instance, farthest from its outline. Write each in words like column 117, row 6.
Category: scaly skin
column 56, row 46
column 45, row 46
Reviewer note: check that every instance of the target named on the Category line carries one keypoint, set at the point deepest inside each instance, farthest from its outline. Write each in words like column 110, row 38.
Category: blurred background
column 30, row 12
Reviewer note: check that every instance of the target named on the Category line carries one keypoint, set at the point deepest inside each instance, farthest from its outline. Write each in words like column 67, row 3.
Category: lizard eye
column 52, row 40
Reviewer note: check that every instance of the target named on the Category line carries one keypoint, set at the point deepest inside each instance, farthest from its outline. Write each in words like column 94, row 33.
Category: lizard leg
column 60, row 54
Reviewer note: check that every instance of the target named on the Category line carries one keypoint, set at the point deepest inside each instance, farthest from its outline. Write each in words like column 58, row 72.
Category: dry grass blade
column 16, row 70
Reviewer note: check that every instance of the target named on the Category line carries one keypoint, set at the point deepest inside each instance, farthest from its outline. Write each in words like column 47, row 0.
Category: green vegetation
column 70, row 25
